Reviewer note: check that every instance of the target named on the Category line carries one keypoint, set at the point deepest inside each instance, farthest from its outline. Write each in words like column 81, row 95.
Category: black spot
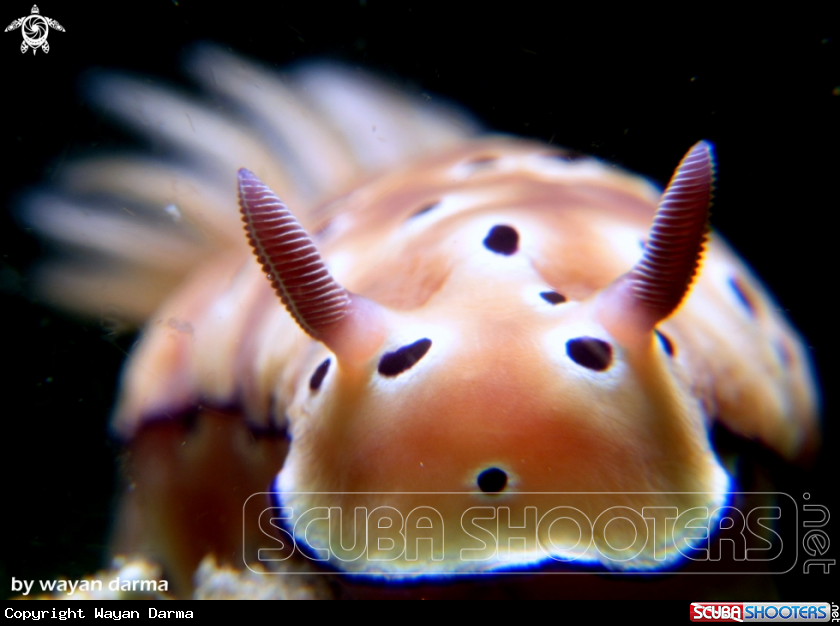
column 394, row 363
column 425, row 209
column 318, row 375
column 738, row 289
column 666, row 343
column 502, row 240
column 553, row 297
column 492, row 480
column 590, row 352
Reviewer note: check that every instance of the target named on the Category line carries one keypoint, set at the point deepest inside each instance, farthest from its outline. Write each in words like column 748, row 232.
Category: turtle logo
column 35, row 28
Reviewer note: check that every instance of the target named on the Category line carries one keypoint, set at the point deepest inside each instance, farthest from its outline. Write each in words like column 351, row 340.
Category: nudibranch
column 447, row 332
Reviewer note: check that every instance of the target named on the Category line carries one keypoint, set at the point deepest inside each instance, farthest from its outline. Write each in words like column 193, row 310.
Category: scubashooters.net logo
column 416, row 535
column 35, row 28
column 796, row 612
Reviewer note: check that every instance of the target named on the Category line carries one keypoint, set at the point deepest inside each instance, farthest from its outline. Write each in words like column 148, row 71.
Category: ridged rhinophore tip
column 349, row 325
column 675, row 244
column 289, row 257
column 659, row 282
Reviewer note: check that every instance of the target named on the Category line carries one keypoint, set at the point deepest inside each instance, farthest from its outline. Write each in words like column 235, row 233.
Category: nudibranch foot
column 184, row 486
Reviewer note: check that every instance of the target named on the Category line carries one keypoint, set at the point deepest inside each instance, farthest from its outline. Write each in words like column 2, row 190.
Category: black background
column 636, row 89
